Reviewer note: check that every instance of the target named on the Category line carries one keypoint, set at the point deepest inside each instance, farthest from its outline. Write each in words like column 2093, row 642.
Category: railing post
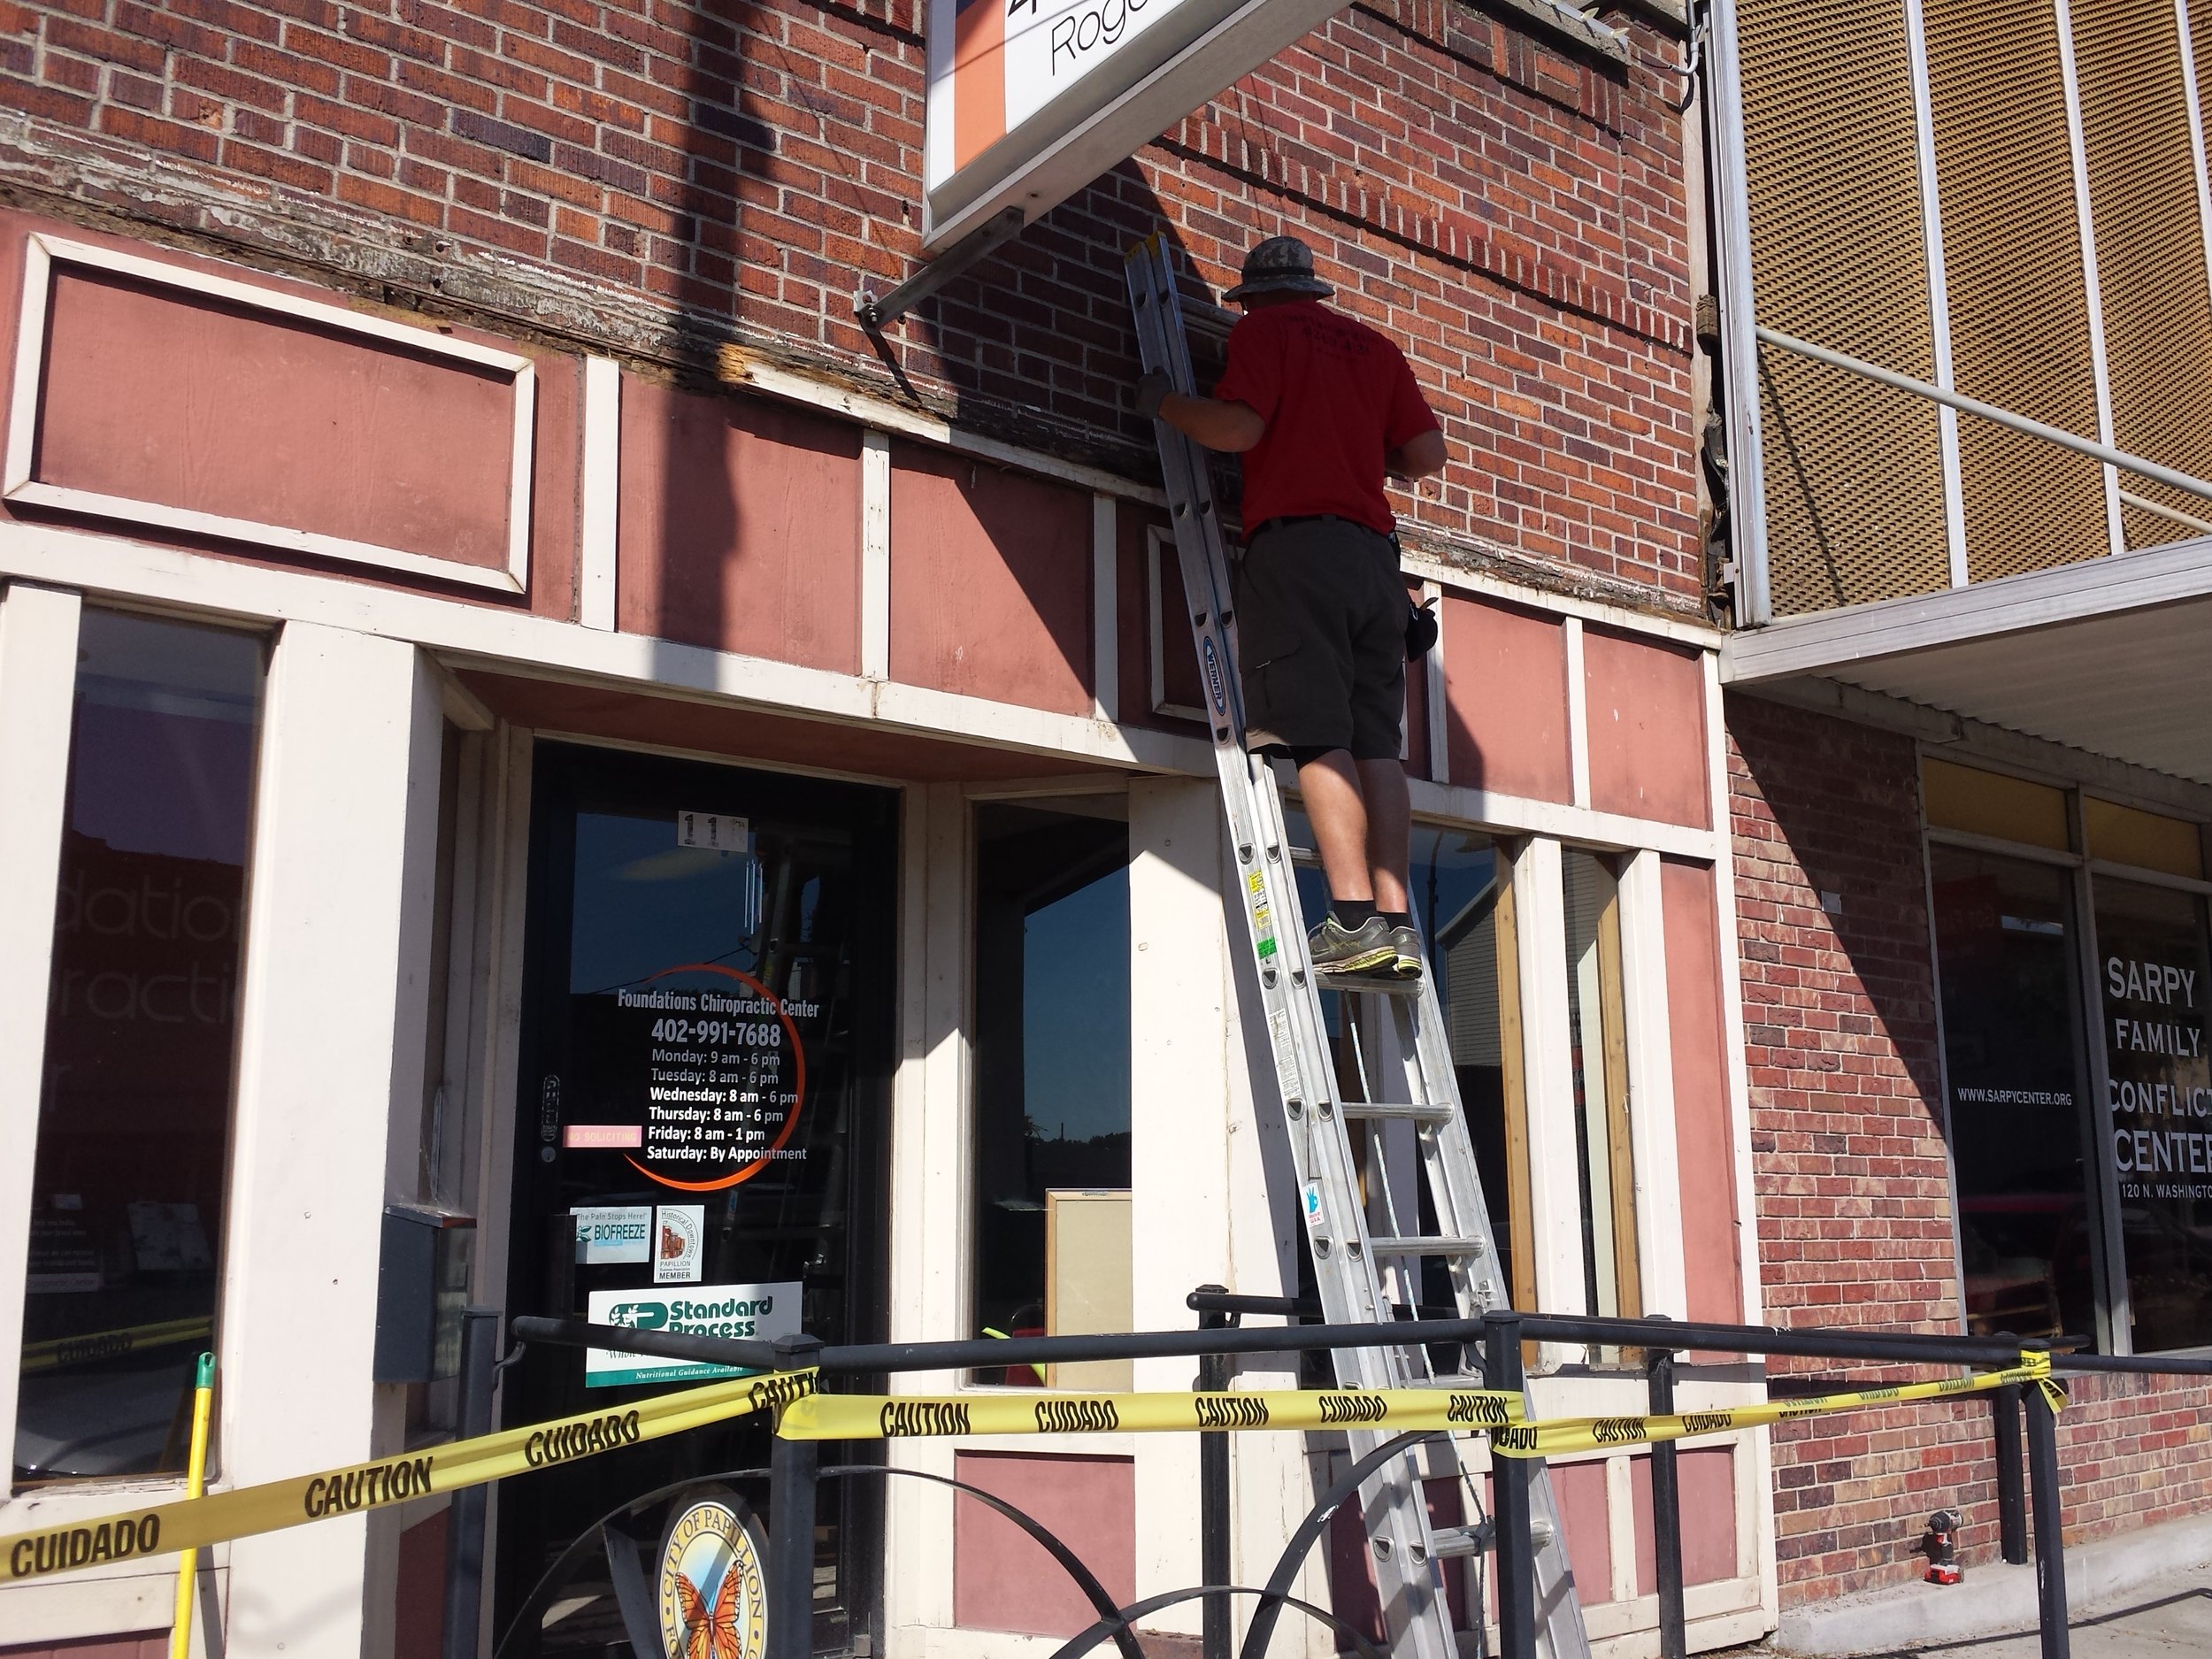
column 1666, row 1513
column 1213, row 1498
column 1509, row 1500
column 464, row 1525
column 2050, row 1544
column 2012, row 1486
column 791, row 1464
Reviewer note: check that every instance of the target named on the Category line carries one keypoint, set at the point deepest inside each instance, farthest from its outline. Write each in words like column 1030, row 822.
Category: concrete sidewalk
column 2143, row 1593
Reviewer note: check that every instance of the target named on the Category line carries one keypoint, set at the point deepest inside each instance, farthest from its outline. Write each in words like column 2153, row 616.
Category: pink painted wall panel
column 419, row 1611
column 151, row 1645
column 740, row 527
column 160, row 395
column 1001, row 1578
column 1352, row 1596
column 1506, row 699
column 1707, row 1477
column 1704, row 1141
column 990, row 582
column 1580, row 1490
column 1646, row 704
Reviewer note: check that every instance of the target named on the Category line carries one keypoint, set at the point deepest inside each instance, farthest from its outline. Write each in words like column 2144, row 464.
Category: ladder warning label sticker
column 1262, row 915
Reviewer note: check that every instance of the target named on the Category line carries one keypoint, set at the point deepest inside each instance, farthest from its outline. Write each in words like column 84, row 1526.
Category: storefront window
column 134, row 1125
column 1453, row 891
column 2154, row 979
column 2006, row 951
column 1598, row 1056
column 1051, row 1075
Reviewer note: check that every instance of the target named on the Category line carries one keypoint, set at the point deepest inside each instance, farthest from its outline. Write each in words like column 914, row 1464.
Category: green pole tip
column 204, row 1377
column 1000, row 1335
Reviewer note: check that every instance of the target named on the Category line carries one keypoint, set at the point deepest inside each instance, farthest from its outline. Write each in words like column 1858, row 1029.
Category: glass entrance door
column 701, row 1131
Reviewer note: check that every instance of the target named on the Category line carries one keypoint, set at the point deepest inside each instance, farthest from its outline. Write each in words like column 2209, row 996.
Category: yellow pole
column 194, row 1485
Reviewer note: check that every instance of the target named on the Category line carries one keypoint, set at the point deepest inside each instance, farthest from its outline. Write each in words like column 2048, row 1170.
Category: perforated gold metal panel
column 1853, row 475
column 2150, row 247
column 2019, row 306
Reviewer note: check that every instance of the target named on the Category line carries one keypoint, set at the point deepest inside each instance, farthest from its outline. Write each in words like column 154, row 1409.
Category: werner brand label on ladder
column 1367, row 1255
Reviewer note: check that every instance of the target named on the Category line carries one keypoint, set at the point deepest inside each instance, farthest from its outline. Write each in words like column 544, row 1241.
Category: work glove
column 1152, row 390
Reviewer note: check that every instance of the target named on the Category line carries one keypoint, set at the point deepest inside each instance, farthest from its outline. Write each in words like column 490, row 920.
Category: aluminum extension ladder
column 1361, row 1250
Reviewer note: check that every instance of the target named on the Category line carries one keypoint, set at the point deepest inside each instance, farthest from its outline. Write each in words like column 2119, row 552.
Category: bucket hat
column 1281, row 265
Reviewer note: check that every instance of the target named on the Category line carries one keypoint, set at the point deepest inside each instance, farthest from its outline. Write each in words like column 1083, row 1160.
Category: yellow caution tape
column 76, row 1350
column 193, row 1522
column 1590, row 1435
column 890, row 1417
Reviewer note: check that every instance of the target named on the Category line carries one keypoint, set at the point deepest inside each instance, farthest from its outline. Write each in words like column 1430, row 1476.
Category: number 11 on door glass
column 716, row 831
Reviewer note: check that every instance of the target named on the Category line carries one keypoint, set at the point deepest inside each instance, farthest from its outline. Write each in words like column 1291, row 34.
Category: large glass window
column 2154, row 979
column 134, row 1125
column 1453, row 888
column 1051, row 1075
column 2006, row 952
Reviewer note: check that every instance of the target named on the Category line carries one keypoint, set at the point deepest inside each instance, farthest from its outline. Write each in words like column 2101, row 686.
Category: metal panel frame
column 2101, row 370
column 1739, row 356
column 1939, row 289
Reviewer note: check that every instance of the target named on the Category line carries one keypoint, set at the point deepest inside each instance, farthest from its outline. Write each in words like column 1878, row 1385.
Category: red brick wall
column 1514, row 214
column 1851, row 1186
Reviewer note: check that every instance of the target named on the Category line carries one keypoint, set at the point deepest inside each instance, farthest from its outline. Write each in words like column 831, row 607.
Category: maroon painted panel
column 1645, row 702
column 418, row 1613
column 1135, row 609
column 754, row 734
column 740, row 527
column 1705, row 1151
column 1001, row 1578
column 990, row 582
column 1505, row 699
column 161, row 395
column 1706, row 1477
column 1580, row 1491
column 1352, row 1596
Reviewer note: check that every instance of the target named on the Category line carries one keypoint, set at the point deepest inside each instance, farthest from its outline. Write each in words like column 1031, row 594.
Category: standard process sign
column 1030, row 99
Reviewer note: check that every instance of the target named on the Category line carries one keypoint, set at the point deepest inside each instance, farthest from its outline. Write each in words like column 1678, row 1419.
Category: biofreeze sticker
column 614, row 1233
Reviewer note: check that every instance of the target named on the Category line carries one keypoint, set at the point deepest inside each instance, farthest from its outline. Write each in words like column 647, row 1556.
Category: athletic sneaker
column 1407, row 943
column 1366, row 949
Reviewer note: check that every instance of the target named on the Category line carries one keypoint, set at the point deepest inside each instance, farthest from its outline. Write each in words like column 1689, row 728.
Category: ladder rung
column 1448, row 1541
column 1367, row 985
column 1407, row 1110
column 1427, row 1247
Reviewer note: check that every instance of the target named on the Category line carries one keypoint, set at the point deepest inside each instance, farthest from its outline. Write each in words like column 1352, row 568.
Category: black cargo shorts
column 1321, row 631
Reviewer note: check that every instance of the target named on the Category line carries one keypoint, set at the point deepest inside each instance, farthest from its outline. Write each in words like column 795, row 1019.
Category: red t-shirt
column 1337, row 396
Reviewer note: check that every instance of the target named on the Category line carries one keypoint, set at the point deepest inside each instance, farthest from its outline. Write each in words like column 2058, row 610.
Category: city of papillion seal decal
column 713, row 1601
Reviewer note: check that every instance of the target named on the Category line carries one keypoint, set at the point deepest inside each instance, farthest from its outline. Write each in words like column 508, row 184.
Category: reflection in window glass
column 133, row 1121
column 2155, row 977
column 1598, row 1056
column 1051, row 1070
column 1454, row 893
column 2006, row 954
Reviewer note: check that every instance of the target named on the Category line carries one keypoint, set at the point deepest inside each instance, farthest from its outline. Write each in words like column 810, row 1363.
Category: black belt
column 1284, row 523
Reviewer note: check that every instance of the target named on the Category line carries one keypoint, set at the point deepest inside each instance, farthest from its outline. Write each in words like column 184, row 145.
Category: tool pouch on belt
column 1420, row 621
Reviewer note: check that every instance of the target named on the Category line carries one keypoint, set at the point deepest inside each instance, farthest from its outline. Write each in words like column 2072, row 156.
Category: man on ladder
column 1321, row 407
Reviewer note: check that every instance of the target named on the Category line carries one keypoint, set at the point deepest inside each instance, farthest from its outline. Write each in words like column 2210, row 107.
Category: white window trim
column 44, row 253
column 38, row 681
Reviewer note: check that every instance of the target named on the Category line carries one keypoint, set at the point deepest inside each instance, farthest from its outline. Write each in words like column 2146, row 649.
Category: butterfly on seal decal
column 712, row 1598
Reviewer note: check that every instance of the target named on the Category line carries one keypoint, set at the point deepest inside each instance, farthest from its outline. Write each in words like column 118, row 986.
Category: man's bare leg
column 1388, row 808
column 1331, row 785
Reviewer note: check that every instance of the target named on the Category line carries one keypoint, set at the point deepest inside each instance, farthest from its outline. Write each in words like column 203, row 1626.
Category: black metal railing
column 795, row 1469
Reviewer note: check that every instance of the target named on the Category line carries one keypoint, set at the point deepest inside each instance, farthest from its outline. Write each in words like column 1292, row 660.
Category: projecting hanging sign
column 1030, row 99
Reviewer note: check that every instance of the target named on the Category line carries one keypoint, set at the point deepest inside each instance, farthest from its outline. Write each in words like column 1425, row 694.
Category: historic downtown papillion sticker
column 711, row 1597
